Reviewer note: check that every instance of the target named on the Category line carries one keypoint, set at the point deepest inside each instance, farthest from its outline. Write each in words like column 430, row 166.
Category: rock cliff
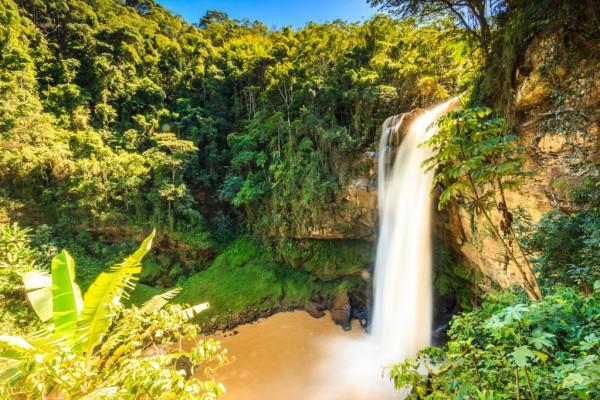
column 555, row 111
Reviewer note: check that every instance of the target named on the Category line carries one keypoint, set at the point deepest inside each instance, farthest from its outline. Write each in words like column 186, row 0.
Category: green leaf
column 38, row 287
column 16, row 342
column 66, row 296
column 159, row 301
column 11, row 375
column 540, row 339
column 192, row 311
column 521, row 356
column 104, row 296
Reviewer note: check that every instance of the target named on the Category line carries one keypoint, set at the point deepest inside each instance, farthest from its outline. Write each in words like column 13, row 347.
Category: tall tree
column 473, row 15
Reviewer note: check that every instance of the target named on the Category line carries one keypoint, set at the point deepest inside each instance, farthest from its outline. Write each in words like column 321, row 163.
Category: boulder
column 314, row 309
column 341, row 311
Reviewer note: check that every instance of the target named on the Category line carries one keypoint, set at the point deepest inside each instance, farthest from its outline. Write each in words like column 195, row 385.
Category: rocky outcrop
column 355, row 214
column 315, row 309
column 341, row 311
column 556, row 115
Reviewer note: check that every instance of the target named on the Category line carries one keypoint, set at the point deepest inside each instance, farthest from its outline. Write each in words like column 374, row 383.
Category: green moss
column 326, row 259
column 453, row 277
column 245, row 282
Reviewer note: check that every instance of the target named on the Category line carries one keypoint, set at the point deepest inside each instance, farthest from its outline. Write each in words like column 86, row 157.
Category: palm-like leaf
column 38, row 286
column 104, row 295
column 16, row 342
column 16, row 354
column 192, row 311
column 159, row 301
column 66, row 296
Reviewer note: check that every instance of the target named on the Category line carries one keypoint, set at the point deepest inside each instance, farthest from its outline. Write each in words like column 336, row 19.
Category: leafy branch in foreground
column 512, row 348
column 475, row 162
column 93, row 347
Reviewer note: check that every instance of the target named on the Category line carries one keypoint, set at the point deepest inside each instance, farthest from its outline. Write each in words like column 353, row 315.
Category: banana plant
column 92, row 345
column 75, row 324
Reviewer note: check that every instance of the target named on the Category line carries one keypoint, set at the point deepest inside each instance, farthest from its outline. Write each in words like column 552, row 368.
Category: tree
column 475, row 163
column 473, row 15
column 213, row 17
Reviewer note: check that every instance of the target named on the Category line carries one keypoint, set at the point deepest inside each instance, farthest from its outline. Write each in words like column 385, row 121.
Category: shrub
column 567, row 248
column 511, row 347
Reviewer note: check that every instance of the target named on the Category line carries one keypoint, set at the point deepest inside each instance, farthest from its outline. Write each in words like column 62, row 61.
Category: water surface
column 294, row 356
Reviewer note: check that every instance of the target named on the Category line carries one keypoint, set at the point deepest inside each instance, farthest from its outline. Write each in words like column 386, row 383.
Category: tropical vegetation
column 238, row 142
column 92, row 347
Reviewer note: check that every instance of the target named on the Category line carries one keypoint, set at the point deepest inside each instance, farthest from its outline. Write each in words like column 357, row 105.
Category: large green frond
column 159, row 301
column 66, row 296
column 104, row 295
column 38, row 287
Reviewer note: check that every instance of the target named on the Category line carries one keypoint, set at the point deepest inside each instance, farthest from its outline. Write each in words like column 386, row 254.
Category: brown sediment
column 278, row 357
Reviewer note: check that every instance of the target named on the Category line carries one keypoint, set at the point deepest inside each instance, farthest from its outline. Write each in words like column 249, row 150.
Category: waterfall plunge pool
column 294, row 356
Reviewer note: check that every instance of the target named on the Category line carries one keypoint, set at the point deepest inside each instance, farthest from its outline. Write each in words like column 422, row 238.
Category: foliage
column 510, row 348
column 475, row 162
column 515, row 30
column 475, row 16
column 452, row 276
column 95, row 348
column 244, row 282
column 17, row 256
column 566, row 248
column 471, row 150
column 325, row 259
column 124, row 115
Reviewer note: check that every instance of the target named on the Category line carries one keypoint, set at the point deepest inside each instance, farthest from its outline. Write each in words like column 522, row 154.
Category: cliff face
column 555, row 111
column 556, row 114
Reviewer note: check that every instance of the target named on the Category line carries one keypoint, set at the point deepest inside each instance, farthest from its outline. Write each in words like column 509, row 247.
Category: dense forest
column 237, row 142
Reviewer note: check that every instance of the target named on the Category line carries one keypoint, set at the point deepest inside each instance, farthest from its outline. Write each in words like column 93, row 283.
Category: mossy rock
column 327, row 260
column 245, row 283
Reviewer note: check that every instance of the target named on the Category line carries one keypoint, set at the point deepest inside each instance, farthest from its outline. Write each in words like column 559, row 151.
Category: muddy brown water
column 289, row 356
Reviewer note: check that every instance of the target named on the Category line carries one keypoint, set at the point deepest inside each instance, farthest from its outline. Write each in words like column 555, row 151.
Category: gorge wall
column 553, row 106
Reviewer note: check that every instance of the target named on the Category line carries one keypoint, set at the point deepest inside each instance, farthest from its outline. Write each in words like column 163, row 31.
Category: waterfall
column 402, row 304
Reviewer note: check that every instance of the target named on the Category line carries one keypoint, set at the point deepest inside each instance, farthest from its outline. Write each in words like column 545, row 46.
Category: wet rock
column 314, row 309
column 341, row 310
column 444, row 307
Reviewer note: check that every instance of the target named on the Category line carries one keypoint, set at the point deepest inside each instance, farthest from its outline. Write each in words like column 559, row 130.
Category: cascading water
column 402, row 306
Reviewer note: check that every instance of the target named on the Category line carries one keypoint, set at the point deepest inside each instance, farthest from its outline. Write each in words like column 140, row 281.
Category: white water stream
column 402, row 306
